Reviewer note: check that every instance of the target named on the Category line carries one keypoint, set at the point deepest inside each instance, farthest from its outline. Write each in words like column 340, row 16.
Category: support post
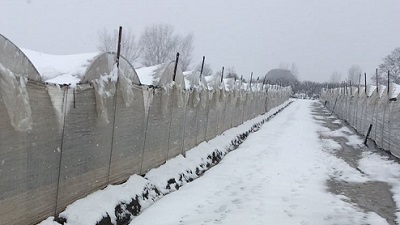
column 258, row 79
column 251, row 78
column 222, row 74
column 377, row 82
column 334, row 105
column 265, row 77
column 388, row 82
column 202, row 67
column 369, row 131
column 359, row 81
column 119, row 45
column 365, row 83
column 115, row 103
column 176, row 65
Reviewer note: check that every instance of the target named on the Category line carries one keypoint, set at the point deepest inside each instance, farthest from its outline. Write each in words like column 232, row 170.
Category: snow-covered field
column 281, row 174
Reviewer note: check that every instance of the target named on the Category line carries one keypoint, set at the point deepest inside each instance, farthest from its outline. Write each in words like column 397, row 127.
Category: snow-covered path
column 277, row 176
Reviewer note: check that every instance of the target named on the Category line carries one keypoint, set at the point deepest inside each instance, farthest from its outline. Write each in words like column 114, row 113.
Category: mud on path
column 371, row 196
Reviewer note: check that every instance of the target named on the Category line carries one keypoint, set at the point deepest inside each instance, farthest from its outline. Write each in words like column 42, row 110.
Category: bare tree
column 231, row 73
column 354, row 74
column 185, row 50
column 281, row 77
column 159, row 44
column 381, row 79
column 291, row 67
column 335, row 77
column 391, row 63
column 284, row 66
column 294, row 70
column 108, row 41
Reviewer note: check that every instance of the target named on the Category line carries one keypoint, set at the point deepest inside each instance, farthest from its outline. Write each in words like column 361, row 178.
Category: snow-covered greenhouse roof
column 161, row 75
column 61, row 69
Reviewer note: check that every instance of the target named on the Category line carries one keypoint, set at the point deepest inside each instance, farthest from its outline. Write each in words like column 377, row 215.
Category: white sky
column 319, row 36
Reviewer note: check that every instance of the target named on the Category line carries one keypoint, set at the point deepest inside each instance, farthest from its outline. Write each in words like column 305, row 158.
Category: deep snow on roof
column 60, row 69
column 146, row 74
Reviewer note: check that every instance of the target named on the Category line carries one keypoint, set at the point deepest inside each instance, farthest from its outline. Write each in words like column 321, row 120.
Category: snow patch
column 60, row 69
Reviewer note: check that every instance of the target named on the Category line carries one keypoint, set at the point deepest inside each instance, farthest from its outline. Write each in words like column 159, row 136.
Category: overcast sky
column 319, row 36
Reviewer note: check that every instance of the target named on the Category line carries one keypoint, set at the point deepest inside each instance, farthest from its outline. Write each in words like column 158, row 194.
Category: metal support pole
column 119, row 45
column 369, row 131
column 377, row 82
column 222, row 74
column 251, row 78
column 202, row 67
column 388, row 83
column 176, row 66
column 115, row 103
column 365, row 83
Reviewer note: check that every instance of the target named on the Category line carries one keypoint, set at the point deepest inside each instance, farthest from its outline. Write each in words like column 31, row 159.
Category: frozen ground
column 297, row 169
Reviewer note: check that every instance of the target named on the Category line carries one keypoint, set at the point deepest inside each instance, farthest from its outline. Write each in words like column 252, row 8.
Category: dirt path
column 371, row 196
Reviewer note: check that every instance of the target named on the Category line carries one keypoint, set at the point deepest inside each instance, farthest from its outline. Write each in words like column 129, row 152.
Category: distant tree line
column 158, row 43
column 390, row 66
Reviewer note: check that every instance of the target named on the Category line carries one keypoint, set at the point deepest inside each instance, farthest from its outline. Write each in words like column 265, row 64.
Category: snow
column 382, row 168
column 192, row 80
column 213, row 82
column 146, row 74
column 353, row 139
column 277, row 176
column 109, row 198
column 60, row 69
column 370, row 90
column 65, row 79
column 82, row 211
column 395, row 90
column 382, row 90
column 263, row 183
